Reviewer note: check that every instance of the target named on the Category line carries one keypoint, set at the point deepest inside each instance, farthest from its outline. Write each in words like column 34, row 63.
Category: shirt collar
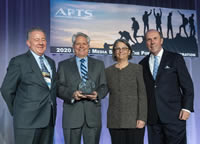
column 78, row 59
column 159, row 55
column 36, row 56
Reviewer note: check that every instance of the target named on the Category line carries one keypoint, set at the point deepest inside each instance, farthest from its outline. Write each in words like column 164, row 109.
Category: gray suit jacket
column 26, row 93
column 127, row 99
column 75, row 114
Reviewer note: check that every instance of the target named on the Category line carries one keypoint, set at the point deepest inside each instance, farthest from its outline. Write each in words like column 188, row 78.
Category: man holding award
column 82, row 85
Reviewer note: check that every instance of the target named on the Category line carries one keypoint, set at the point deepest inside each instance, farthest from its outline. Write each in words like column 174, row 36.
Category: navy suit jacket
column 26, row 93
column 171, row 91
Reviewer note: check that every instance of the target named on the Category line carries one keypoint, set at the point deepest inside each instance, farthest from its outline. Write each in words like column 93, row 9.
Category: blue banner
column 105, row 23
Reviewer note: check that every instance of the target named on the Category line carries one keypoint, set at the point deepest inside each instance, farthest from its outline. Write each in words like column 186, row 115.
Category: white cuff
column 187, row 110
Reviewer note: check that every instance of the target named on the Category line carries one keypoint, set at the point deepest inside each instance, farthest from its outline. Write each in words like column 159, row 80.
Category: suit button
column 51, row 102
column 155, row 86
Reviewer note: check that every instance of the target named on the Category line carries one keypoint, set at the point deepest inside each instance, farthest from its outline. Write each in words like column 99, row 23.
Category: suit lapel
column 74, row 69
column 162, row 64
column 91, row 67
column 148, row 67
column 36, row 69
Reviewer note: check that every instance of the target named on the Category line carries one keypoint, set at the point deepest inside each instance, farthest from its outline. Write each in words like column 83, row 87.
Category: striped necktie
column 84, row 72
column 45, row 72
column 155, row 67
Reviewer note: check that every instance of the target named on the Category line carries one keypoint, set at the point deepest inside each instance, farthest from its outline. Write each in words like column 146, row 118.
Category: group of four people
column 158, row 91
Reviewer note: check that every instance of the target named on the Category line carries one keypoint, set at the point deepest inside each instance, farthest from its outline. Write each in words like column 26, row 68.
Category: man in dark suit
column 81, row 111
column 169, row 90
column 30, row 92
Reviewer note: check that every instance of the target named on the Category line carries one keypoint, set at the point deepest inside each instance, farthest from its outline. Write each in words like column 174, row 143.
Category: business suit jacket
column 26, row 93
column 75, row 114
column 127, row 99
column 171, row 91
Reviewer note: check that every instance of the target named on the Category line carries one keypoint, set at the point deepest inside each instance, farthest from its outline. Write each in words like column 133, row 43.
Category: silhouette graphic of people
column 169, row 25
column 184, row 23
column 191, row 23
column 158, row 17
column 107, row 46
column 145, row 19
column 126, row 35
column 135, row 28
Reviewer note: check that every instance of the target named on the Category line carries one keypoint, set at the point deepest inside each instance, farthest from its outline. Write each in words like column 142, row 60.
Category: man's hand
column 92, row 96
column 140, row 124
column 184, row 115
column 78, row 95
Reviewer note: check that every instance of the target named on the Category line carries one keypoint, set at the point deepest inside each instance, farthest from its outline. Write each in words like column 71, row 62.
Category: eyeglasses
column 122, row 49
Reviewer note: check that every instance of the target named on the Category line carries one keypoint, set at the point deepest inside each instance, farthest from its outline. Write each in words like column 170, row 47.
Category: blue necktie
column 45, row 72
column 84, row 72
column 155, row 67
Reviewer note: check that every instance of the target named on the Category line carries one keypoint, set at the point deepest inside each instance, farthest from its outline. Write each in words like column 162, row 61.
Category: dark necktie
column 84, row 72
column 45, row 72
column 155, row 67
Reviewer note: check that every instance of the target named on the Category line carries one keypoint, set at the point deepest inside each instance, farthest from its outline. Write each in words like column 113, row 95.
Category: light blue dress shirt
column 37, row 58
column 79, row 63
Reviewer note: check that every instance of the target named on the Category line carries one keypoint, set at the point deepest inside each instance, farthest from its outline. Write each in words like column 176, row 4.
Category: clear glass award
column 86, row 87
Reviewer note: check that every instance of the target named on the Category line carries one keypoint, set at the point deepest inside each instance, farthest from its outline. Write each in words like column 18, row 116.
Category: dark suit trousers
column 127, row 136
column 35, row 135
column 167, row 133
column 91, row 135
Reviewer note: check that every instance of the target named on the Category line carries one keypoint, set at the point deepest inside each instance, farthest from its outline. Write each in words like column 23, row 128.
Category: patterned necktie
column 155, row 67
column 45, row 72
column 84, row 71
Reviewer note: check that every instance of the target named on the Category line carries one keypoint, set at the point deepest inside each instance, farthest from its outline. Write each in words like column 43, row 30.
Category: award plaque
column 87, row 87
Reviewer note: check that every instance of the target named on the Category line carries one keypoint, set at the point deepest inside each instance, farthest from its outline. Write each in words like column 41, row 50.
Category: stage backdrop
column 107, row 22
column 17, row 16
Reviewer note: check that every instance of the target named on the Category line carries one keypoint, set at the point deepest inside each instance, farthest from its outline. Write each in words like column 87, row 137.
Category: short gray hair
column 80, row 34
column 34, row 29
